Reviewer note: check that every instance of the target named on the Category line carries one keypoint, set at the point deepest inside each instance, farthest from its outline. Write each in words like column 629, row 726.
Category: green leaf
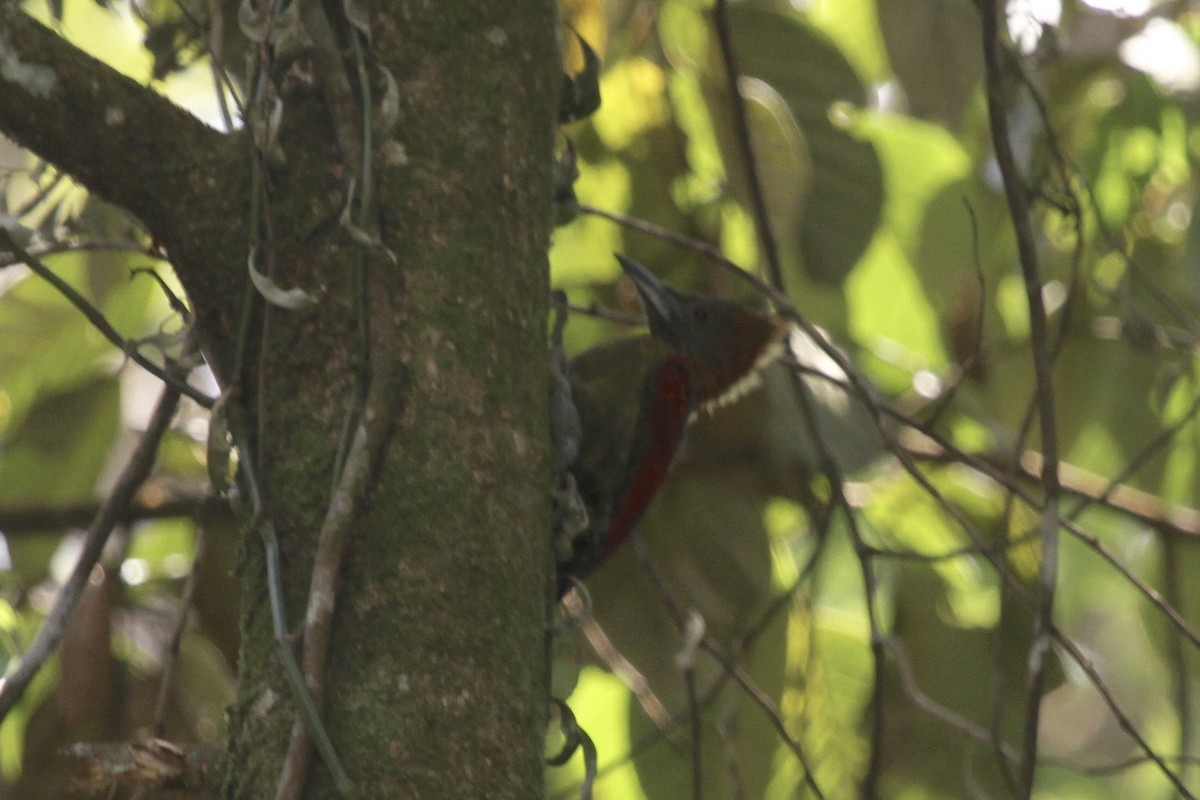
column 46, row 344
column 55, row 457
column 940, row 88
column 843, row 206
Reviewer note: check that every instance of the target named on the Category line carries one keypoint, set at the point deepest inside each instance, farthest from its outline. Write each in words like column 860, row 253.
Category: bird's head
column 722, row 343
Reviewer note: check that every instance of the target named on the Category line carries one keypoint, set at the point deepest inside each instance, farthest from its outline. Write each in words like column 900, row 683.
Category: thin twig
column 1032, row 466
column 965, row 365
column 212, row 43
column 136, row 470
column 931, row 706
column 1014, row 191
column 1174, row 573
column 616, row 663
column 685, row 659
column 700, row 247
column 730, row 666
column 1091, row 489
column 1119, row 715
column 726, row 730
column 764, row 702
column 265, row 526
column 609, row 315
column 689, row 685
column 829, row 466
column 251, row 448
column 352, row 472
column 171, row 658
column 1022, row 595
column 100, row 323
column 86, row 245
column 1118, row 766
column 741, row 128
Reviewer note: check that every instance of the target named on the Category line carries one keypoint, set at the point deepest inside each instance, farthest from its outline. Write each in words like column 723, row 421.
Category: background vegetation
column 870, row 581
column 894, row 235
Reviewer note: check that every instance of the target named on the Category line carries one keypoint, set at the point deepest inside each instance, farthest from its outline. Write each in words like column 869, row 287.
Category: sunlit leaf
column 634, row 90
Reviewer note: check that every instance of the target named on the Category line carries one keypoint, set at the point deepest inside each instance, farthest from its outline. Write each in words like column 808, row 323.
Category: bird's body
column 635, row 397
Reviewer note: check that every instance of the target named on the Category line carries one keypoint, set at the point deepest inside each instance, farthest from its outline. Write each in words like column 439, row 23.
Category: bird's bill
column 664, row 304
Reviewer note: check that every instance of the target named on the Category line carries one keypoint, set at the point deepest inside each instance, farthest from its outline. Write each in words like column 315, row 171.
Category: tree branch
column 1014, row 190
column 96, row 124
column 21, row 520
column 741, row 127
column 114, row 508
column 136, row 149
column 101, row 324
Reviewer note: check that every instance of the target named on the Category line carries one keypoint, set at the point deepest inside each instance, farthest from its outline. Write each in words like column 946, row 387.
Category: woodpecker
column 635, row 397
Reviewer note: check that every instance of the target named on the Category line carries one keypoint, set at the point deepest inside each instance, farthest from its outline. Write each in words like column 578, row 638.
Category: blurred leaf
column 205, row 687
column 919, row 161
column 12, row 729
column 829, row 688
column 853, row 25
column 103, row 34
column 784, row 168
column 634, row 90
column 181, row 456
column 891, row 316
column 960, row 669
column 819, row 86
column 165, row 546
column 55, row 455
column 911, row 521
column 47, row 346
column 937, row 89
column 582, row 250
column 705, row 163
column 705, row 534
column 54, row 458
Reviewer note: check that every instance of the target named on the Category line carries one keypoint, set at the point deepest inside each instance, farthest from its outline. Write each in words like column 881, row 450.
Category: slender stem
column 101, row 324
column 741, row 127
column 171, row 659
column 1014, row 192
column 135, row 473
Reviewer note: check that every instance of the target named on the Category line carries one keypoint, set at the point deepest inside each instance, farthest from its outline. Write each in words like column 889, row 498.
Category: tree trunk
column 436, row 681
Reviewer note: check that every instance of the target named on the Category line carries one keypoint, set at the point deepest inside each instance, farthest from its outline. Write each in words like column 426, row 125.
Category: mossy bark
column 437, row 674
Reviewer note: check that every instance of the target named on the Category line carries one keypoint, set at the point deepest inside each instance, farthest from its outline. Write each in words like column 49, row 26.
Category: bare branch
column 133, row 476
column 19, row 520
column 101, row 324
column 741, row 126
column 1014, row 191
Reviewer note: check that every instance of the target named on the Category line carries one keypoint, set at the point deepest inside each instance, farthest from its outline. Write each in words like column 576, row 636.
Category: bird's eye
column 700, row 314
